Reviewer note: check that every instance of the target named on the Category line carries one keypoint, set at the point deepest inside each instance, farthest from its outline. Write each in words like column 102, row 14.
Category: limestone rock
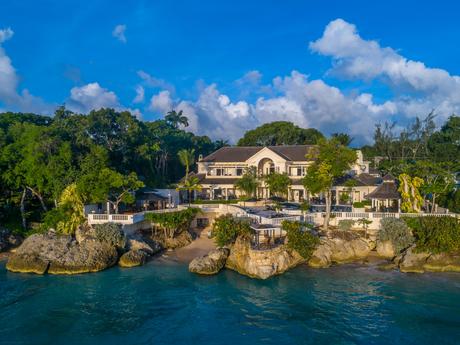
column 137, row 243
column 181, row 240
column 133, row 258
column 412, row 262
column 261, row 263
column 340, row 250
column 61, row 254
column 385, row 249
column 211, row 263
column 443, row 263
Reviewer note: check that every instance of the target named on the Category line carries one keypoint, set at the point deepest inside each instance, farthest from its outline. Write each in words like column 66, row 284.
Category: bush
column 361, row 204
column 397, row 232
column 435, row 234
column 226, row 229
column 346, row 224
column 173, row 223
column 110, row 233
column 300, row 239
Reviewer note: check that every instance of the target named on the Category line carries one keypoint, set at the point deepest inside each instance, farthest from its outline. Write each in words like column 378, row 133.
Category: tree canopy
column 280, row 133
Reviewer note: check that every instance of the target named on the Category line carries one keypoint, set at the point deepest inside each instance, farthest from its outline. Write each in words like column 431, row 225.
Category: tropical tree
column 190, row 185
column 248, row 183
column 187, row 158
column 331, row 160
column 344, row 138
column 175, row 119
column 409, row 187
column 278, row 184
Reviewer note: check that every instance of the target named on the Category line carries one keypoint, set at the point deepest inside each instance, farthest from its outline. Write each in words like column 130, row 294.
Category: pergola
column 386, row 197
column 266, row 234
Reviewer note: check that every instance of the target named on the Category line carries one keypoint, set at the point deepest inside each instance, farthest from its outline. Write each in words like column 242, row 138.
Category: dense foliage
column 436, row 234
column 173, row 223
column 227, row 228
column 106, row 153
column 397, row 232
column 248, row 183
column 278, row 183
column 280, row 133
column 300, row 238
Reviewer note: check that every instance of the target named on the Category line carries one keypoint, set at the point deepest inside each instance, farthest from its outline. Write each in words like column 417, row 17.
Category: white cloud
column 92, row 96
column 140, row 94
column 119, row 33
column 6, row 34
column 413, row 82
column 162, row 102
column 154, row 82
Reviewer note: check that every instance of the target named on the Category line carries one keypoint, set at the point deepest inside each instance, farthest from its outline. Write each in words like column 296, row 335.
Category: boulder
column 211, row 263
column 261, row 264
column 8, row 240
column 412, row 262
column 133, row 258
column 443, row 263
column 385, row 249
column 340, row 250
column 61, row 254
column 137, row 243
column 181, row 240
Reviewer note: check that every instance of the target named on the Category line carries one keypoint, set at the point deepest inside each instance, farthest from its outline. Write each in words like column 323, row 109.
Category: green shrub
column 213, row 202
column 173, row 223
column 300, row 239
column 226, row 229
column 361, row 204
column 397, row 232
column 110, row 233
column 435, row 234
column 346, row 224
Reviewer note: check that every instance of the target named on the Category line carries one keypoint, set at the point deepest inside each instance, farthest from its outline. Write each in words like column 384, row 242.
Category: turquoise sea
column 162, row 303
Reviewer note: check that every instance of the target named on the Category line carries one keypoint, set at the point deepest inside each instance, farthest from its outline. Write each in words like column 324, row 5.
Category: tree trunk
column 328, row 210
column 433, row 202
column 23, row 209
column 39, row 198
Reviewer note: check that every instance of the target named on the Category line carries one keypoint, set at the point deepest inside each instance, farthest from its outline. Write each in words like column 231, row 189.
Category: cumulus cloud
column 357, row 58
column 119, row 33
column 92, row 96
column 140, row 94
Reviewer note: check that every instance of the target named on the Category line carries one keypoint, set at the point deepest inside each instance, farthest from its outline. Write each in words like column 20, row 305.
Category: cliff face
column 261, row 264
column 411, row 261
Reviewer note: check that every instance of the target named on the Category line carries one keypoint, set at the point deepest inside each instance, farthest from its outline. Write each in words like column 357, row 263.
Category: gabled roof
column 242, row 153
column 387, row 190
column 361, row 180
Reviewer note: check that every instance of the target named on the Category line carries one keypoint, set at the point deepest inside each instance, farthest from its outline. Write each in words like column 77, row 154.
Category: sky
column 338, row 66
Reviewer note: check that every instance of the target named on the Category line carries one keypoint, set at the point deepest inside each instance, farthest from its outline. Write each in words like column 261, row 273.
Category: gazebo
column 386, row 197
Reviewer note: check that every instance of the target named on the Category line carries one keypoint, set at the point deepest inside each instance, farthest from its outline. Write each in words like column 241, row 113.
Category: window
column 219, row 171
column 299, row 171
column 239, row 171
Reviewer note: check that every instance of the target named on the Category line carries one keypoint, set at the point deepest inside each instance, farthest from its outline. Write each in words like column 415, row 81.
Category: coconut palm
column 248, row 183
column 186, row 158
column 191, row 184
column 175, row 119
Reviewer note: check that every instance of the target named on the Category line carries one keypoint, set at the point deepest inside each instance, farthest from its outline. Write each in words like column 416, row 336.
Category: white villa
column 218, row 172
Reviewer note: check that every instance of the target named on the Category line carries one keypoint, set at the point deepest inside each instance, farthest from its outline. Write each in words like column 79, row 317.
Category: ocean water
column 162, row 303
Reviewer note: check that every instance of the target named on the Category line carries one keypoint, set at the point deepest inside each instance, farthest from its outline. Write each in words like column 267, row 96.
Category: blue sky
column 233, row 65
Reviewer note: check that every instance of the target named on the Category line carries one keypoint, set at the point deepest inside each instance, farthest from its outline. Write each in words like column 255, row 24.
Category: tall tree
column 344, row 138
column 331, row 160
column 190, row 185
column 248, row 183
column 187, row 158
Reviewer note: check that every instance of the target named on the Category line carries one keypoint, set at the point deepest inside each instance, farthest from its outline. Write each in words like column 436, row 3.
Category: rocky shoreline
column 334, row 249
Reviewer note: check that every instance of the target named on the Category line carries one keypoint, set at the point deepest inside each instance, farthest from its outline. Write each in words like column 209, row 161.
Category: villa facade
column 218, row 172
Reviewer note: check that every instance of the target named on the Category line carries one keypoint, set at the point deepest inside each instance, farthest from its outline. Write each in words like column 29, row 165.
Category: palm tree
column 175, row 119
column 190, row 185
column 186, row 158
column 248, row 183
